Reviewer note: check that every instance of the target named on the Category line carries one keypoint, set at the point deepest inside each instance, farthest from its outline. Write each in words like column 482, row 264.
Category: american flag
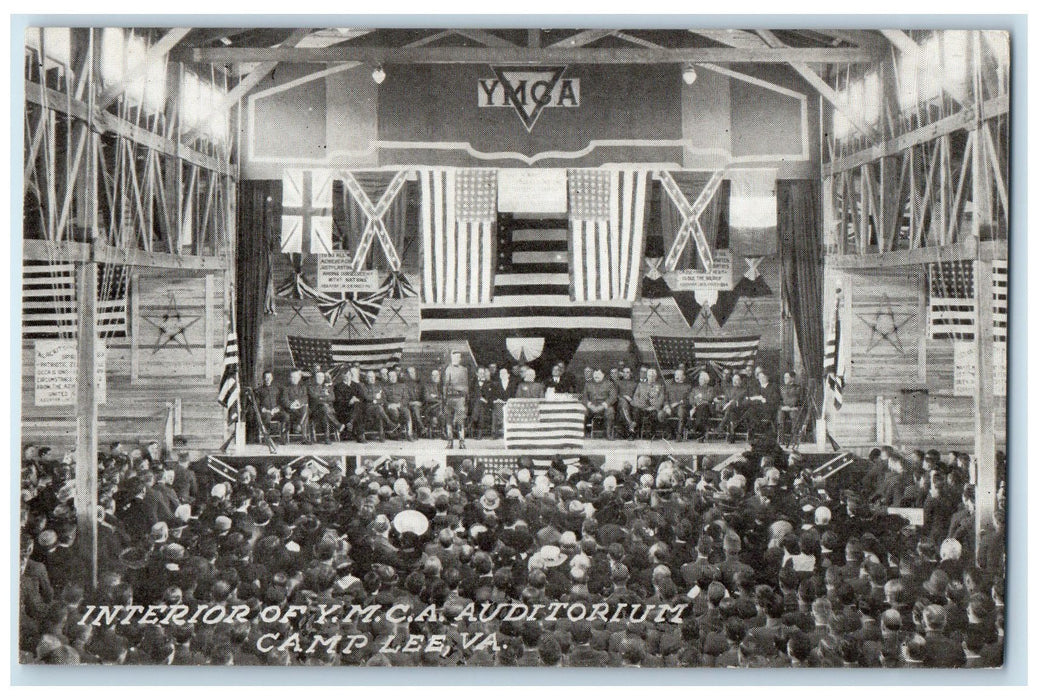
column 726, row 351
column 49, row 305
column 952, row 303
column 230, row 391
column 459, row 210
column 607, row 220
column 671, row 351
column 543, row 424
column 329, row 353
column 833, row 365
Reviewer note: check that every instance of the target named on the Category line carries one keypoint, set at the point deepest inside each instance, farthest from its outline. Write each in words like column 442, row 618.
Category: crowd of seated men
column 764, row 566
column 628, row 403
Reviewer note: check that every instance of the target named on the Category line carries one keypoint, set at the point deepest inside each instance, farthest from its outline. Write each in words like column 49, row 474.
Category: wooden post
column 86, row 412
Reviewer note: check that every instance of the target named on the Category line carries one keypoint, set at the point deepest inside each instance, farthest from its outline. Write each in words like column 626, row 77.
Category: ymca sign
column 528, row 90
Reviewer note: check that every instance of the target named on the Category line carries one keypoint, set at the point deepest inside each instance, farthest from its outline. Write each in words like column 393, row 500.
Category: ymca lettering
column 529, row 91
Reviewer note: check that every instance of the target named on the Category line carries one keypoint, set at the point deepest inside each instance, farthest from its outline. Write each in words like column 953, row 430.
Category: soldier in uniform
column 676, row 403
column 295, row 400
column 600, row 399
column 701, row 405
column 321, row 398
column 648, row 401
column 455, row 399
column 735, row 407
column 398, row 403
column 625, row 390
column 415, row 404
column 375, row 402
column 268, row 399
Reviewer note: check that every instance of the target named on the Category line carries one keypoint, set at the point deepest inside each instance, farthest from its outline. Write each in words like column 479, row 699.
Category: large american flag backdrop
column 331, row 353
column 555, row 424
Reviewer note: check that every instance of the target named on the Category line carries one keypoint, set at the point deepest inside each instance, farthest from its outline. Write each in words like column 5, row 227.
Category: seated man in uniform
column 677, row 402
column 736, row 403
column 349, row 402
column 432, row 402
column 625, row 395
column 648, row 401
column 268, row 400
column 600, row 399
column 455, row 399
column 790, row 405
column 398, row 403
column 295, row 400
column 321, row 398
column 529, row 388
column 701, row 405
column 375, row 402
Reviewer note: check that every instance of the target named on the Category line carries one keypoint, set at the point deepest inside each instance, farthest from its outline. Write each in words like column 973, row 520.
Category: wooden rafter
column 582, row 38
column 155, row 52
column 455, row 54
column 484, row 37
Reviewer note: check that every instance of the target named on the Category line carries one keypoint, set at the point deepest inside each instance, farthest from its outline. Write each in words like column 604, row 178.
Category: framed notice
column 719, row 278
column 335, row 273
column 532, row 191
column 56, row 368
column 964, row 373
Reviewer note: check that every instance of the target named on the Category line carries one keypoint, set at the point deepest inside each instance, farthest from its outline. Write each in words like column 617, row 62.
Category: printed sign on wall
column 335, row 273
column 965, row 368
column 56, row 368
column 718, row 279
column 533, row 190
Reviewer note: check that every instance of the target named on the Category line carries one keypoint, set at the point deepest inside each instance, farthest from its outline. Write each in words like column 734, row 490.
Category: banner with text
column 719, row 278
column 56, row 369
column 965, row 369
column 335, row 273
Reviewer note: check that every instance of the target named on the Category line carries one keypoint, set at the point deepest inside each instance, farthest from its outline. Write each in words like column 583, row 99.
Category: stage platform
column 476, row 448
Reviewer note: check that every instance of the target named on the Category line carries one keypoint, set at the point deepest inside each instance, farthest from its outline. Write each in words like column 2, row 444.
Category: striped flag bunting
column 952, row 304
column 531, row 292
column 541, row 424
column 315, row 467
column 368, row 353
column 458, row 216
column 833, row 366
column 397, row 286
column 735, row 351
column 607, row 224
column 366, row 307
column 230, row 392
column 50, row 308
column 221, row 468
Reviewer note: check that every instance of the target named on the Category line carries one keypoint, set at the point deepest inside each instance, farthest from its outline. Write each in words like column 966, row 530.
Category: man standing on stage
column 600, row 399
column 455, row 399
column 294, row 400
column 529, row 388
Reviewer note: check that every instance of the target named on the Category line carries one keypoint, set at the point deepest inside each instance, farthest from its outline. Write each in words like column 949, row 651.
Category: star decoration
column 172, row 326
column 886, row 326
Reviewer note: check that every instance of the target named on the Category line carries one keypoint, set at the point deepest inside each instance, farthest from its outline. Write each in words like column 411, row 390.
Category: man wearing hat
column 455, row 399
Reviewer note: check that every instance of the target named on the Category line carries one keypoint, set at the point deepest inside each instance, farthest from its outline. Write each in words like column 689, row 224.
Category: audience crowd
column 766, row 566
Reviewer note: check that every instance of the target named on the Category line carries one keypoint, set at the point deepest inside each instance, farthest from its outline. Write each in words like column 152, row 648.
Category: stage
column 477, row 448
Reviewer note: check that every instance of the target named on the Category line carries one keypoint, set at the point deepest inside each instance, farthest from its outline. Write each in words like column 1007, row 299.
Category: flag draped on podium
column 543, row 424
column 607, row 231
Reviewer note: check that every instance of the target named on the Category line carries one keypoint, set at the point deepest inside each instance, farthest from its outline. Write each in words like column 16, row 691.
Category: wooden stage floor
column 474, row 448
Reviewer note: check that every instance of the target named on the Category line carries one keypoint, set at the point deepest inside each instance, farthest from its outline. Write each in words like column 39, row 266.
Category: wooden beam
column 965, row 119
column 588, row 36
column 74, row 251
column 815, row 81
column 258, row 73
column 739, row 38
column 484, row 37
column 966, row 250
column 900, row 39
column 155, row 52
column 106, row 122
column 452, row 54
column 86, row 417
column 533, row 38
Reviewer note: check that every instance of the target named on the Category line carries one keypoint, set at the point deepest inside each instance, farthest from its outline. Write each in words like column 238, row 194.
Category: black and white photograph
column 516, row 346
